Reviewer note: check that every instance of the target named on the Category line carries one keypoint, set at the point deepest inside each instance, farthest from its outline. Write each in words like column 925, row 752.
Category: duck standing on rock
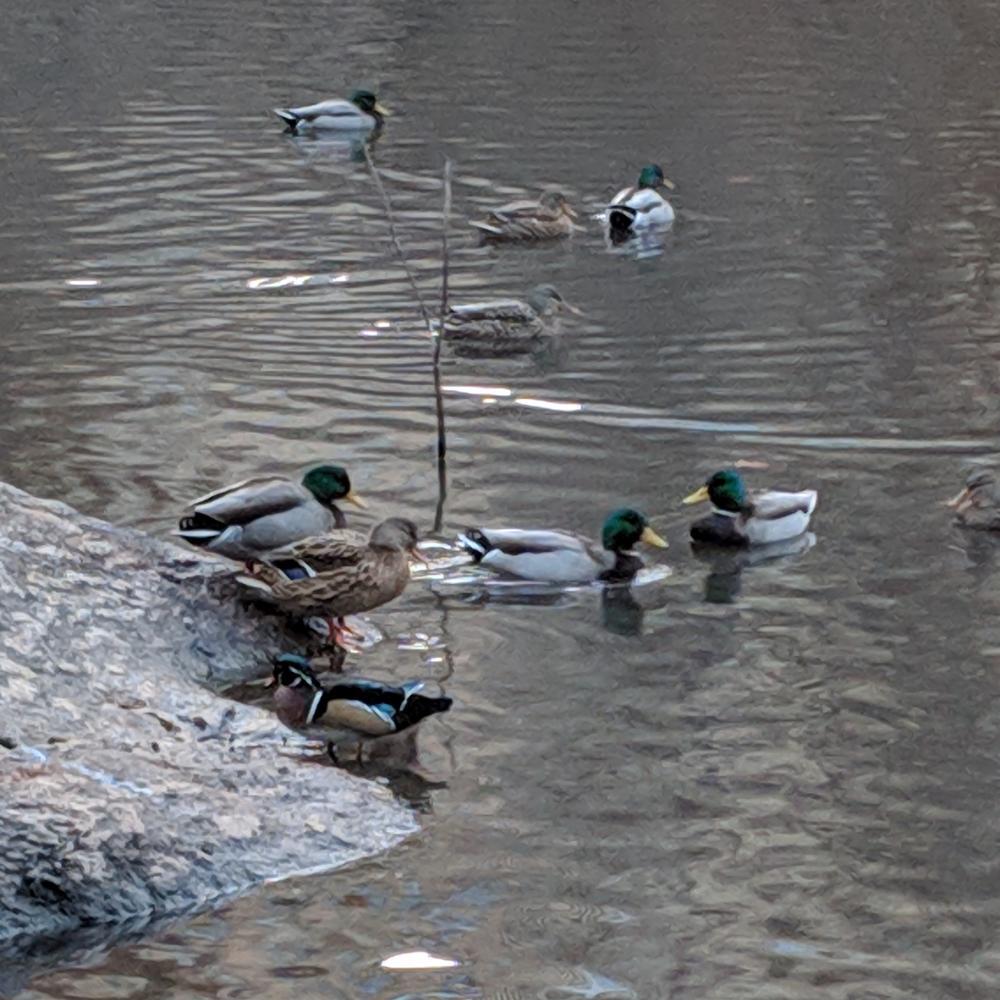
column 353, row 579
column 248, row 519
column 560, row 557
column 641, row 206
column 978, row 505
column 739, row 518
column 362, row 113
column 357, row 706
column 550, row 217
column 505, row 326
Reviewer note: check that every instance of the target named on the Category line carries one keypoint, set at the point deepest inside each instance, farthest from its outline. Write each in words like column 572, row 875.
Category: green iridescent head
column 725, row 490
column 329, row 483
column 625, row 528
column 365, row 100
column 652, row 177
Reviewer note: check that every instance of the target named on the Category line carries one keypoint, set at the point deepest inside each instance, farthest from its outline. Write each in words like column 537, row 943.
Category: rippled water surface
column 745, row 780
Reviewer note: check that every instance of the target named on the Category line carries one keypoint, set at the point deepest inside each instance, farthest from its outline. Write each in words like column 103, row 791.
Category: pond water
column 765, row 780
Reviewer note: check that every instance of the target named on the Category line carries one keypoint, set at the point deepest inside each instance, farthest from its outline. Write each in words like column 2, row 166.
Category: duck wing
column 553, row 556
column 322, row 552
column 250, row 499
column 335, row 110
column 507, row 310
column 778, row 516
column 623, row 196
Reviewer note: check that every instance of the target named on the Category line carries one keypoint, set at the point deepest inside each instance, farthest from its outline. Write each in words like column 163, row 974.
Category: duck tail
column 475, row 543
column 290, row 118
column 621, row 218
column 199, row 529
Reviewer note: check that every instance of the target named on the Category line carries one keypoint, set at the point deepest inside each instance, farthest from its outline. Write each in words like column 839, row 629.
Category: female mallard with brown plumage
column 505, row 326
column 247, row 519
column 978, row 505
column 547, row 218
column 354, row 578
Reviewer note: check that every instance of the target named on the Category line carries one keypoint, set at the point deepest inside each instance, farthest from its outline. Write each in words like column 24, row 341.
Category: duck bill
column 650, row 537
column 573, row 309
column 385, row 112
column 700, row 495
column 570, row 211
column 353, row 498
column 961, row 501
column 669, row 184
column 419, row 556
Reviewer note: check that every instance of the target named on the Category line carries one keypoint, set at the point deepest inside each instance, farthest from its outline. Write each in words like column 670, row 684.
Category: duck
column 361, row 113
column 553, row 556
column 358, row 706
column 506, row 326
column 353, row 578
column 247, row 519
column 978, row 505
column 641, row 206
column 549, row 217
column 740, row 518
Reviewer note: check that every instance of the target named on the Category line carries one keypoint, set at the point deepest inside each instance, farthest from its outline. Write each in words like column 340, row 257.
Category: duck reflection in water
column 724, row 581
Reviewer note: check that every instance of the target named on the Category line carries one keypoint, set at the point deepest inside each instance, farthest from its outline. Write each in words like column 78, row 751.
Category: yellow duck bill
column 650, row 537
column 700, row 495
column 353, row 498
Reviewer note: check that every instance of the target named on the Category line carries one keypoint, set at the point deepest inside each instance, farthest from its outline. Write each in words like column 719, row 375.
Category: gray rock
column 129, row 789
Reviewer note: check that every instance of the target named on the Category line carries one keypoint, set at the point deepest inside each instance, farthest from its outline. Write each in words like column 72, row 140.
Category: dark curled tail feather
column 620, row 218
column 475, row 543
column 200, row 529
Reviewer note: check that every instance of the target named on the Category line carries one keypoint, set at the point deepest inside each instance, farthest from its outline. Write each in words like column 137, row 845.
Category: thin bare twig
column 442, row 444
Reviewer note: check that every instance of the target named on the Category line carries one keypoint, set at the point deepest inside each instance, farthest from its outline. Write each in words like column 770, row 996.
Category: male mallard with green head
column 362, row 113
column 355, row 578
column 641, row 206
column 550, row 217
column 978, row 505
column 247, row 519
column 356, row 705
column 506, row 326
column 739, row 518
column 560, row 557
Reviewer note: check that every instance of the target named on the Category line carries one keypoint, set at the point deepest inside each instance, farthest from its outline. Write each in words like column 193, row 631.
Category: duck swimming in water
column 561, row 557
column 641, row 206
column 362, row 113
column 978, row 505
column 740, row 518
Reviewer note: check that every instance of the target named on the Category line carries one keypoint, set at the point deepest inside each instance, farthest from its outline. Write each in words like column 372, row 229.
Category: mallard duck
column 738, row 518
column 247, row 519
column 641, row 206
column 547, row 218
column 505, row 326
column 978, row 505
column 561, row 557
column 356, row 705
column 354, row 578
column 362, row 113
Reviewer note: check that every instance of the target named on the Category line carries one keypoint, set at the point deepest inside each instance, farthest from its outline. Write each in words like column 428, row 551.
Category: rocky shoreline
column 129, row 789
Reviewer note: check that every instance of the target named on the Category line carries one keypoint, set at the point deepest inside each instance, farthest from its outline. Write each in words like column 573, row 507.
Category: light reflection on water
column 770, row 777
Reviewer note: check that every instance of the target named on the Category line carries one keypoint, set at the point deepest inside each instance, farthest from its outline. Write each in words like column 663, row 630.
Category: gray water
column 772, row 780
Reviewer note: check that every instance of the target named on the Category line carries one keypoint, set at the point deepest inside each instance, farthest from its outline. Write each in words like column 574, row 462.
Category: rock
column 129, row 789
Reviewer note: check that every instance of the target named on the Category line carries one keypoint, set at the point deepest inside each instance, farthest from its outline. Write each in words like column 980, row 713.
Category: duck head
column 329, row 483
column 293, row 671
column 545, row 299
column 652, row 177
column 625, row 528
column 554, row 200
column 725, row 490
column 398, row 534
column 367, row 102
column 981, row 490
